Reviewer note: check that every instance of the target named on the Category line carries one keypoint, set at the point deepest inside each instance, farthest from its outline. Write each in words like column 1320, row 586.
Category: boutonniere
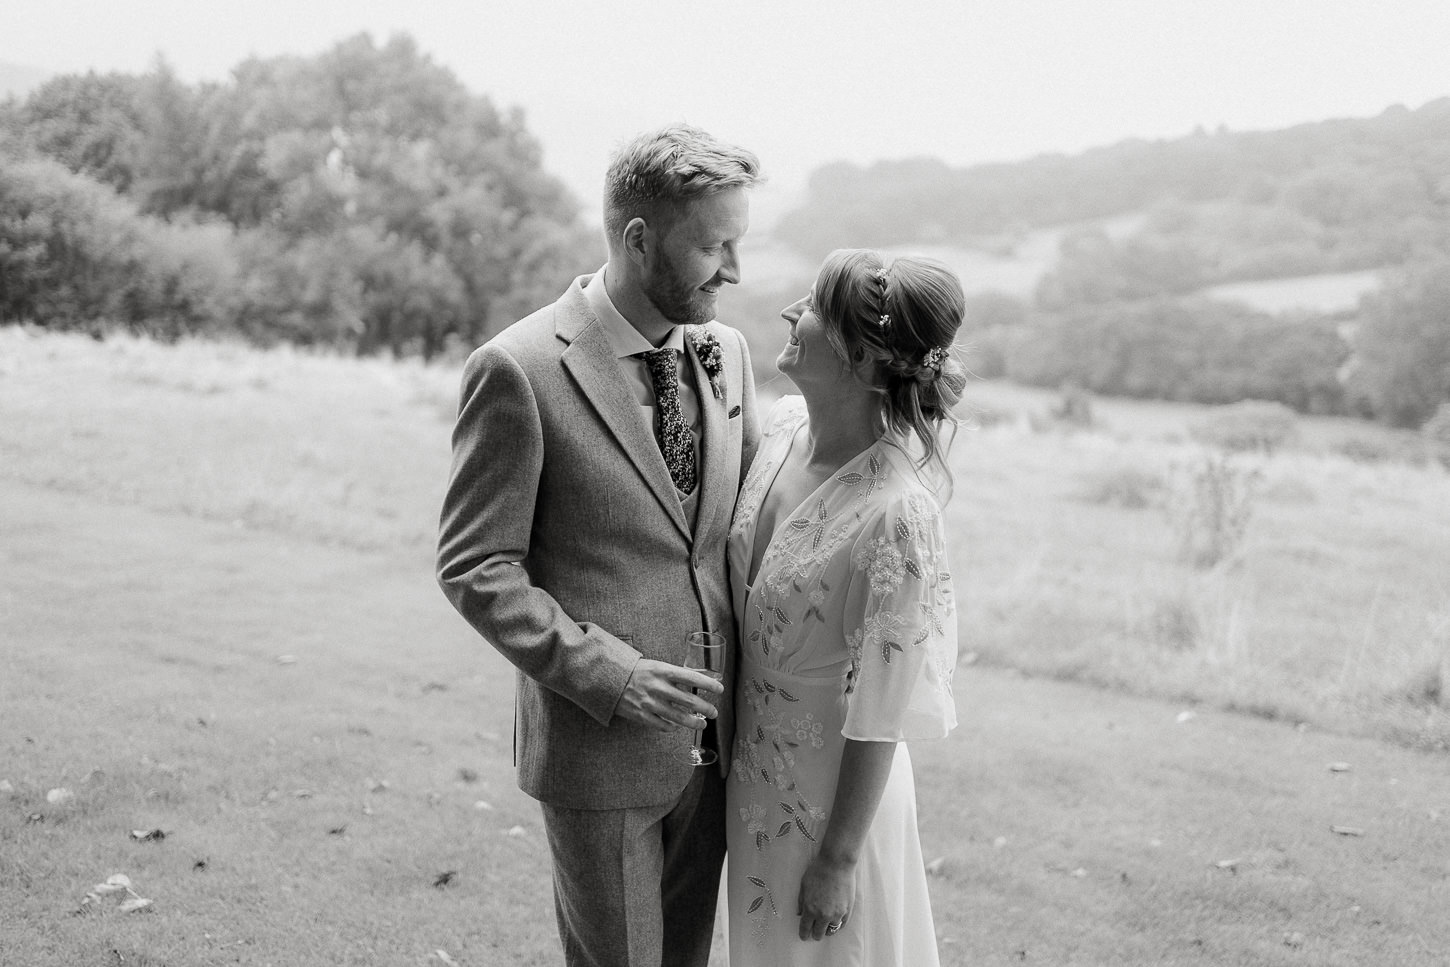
column 707, row 348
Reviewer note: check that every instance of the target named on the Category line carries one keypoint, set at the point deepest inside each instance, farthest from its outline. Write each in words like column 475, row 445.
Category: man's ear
column 636, row 240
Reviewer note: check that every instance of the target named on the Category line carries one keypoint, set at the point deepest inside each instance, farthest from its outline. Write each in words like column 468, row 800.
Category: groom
column 599, row 448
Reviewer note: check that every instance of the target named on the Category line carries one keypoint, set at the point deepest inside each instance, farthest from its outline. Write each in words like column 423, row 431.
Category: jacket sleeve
column 488, row 514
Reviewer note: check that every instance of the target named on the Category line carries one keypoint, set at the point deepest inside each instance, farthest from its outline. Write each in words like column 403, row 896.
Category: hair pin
column 934, row 357
column 885, row 319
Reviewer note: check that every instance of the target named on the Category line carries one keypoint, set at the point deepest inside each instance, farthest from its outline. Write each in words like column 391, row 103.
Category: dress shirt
column 627, row 344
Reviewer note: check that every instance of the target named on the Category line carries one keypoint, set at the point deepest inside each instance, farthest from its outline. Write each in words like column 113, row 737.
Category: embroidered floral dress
column 848, row 630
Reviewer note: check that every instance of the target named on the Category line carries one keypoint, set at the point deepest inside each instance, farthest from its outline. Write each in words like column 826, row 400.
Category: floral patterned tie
column 676, row 441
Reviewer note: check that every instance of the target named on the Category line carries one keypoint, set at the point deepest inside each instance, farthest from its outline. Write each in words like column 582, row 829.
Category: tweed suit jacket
column 564, row 544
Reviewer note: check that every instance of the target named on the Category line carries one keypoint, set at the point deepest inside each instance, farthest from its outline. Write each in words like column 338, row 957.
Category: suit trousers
column 637, row 887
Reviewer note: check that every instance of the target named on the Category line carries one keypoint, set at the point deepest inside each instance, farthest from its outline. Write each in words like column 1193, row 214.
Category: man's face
column 697, row 255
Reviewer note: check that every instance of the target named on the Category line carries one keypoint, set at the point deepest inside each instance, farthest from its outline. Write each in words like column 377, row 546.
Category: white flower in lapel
column 707, row 348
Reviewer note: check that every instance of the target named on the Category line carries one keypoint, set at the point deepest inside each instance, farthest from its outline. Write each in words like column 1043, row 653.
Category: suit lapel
column 589, row 358
column 713, row 448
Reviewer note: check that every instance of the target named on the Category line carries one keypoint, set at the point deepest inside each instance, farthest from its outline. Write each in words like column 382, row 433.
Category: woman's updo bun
column 902, row 318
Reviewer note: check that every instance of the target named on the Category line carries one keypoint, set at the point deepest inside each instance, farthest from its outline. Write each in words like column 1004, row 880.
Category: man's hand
column 659, row 696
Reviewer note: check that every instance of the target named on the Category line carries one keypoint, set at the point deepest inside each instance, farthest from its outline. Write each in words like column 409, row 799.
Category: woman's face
column 808, row 356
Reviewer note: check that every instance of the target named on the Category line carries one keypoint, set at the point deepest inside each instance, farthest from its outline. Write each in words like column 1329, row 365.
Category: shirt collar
column 624, row 339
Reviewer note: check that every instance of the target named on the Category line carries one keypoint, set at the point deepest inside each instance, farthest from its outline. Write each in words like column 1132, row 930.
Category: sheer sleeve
column 901, row 626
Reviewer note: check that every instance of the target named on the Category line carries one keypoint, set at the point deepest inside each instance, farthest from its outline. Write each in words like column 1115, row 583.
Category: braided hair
column 900, row 318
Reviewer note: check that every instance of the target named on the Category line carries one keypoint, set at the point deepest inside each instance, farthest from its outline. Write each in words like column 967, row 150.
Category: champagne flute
column 705, row 653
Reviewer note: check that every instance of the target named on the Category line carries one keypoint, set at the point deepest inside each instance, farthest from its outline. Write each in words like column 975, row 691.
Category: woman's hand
column 828, row 894
column 828, row 888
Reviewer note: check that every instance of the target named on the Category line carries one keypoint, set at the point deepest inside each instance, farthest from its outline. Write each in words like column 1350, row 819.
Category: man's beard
column 674, row 298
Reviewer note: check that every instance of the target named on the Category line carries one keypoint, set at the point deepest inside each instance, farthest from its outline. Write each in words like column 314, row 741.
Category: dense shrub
column 73, row 254
column 1402, row 346
column 1189, row 350
column 1253, row 425
column 91, row 123
column 1074, row 406
column 1365, row 449
column 369, row 202
column 1210, row 508
column 1129, row 487
column 1093, row 269
column 1437, row 434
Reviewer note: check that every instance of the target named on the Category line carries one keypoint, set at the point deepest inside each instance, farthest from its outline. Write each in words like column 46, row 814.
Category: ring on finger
column 832, row 927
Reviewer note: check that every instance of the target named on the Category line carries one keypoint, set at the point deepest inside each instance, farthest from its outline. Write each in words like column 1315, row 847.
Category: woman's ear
column 862, row 366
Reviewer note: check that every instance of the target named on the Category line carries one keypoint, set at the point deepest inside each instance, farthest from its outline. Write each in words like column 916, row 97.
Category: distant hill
column 19, row 79
column 1211, row 208
column 1308, row 266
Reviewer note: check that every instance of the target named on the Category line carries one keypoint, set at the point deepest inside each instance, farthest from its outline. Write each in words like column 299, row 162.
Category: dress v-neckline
column 758, row 563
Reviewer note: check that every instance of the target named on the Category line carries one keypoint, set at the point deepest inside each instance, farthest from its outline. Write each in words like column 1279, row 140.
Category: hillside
column 1329, row 179
column 1309, row 266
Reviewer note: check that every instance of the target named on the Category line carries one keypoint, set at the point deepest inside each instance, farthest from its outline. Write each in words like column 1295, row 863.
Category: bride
column 848, row 629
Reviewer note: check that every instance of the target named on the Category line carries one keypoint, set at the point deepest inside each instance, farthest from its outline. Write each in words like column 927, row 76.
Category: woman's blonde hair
column 902, row 318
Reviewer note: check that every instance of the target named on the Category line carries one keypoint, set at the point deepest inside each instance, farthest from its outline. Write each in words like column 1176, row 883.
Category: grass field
column 1332, row 609
column 217, row 618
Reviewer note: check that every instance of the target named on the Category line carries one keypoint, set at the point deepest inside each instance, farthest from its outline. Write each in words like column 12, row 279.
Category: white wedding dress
column 847, row 631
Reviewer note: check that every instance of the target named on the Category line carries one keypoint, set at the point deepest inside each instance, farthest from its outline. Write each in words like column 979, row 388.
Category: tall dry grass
column 1301, row 584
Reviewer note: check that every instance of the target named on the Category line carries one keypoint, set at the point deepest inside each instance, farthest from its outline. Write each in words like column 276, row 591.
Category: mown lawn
column 323, row 744
column 217, row 619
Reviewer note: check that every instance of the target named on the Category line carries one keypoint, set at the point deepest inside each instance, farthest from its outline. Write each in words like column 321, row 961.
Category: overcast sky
column 803, row 82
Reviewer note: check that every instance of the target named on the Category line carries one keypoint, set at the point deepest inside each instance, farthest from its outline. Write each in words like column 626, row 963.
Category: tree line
column 362, row 198
column 1330, row 195
column 1124, row 313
